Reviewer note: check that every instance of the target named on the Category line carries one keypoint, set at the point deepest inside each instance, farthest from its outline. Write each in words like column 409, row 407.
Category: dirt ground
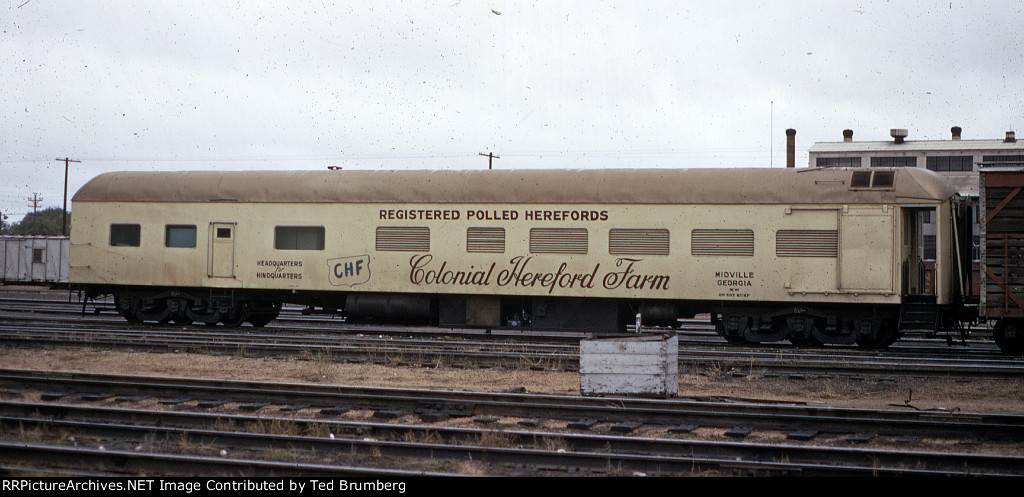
column 938, row 394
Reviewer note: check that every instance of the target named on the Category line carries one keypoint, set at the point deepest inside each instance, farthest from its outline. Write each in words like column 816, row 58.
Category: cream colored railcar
column 807, row 254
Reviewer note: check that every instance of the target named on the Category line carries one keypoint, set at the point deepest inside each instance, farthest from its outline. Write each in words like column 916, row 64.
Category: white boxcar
column 34, row 259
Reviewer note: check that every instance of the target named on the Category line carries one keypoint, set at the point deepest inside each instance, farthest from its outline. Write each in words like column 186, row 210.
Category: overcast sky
column 129, row 85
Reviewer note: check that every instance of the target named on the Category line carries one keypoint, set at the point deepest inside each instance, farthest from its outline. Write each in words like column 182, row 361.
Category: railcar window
column 558, row 240
column 873, row 179
column 883, row 179
column 125, row 235
column 722, row 242
column 623, row 241
column 299, row 237
column 807, row 243
column 37, row 255
column 861, row 179
column 929, row 247
column 487, row 240
column 180, row 235
column 403, row 239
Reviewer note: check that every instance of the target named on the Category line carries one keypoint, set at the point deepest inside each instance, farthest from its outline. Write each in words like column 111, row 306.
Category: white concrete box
column 643, row 365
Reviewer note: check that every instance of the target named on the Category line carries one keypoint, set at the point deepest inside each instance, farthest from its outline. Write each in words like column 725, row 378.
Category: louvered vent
column 739, row 243
column 490, row 240
column 638, row 242
column 558, row 241
column 807, row 243
column 403, row 239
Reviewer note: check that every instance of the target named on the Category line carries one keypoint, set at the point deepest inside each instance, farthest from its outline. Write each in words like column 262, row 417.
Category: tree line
column 47, row 222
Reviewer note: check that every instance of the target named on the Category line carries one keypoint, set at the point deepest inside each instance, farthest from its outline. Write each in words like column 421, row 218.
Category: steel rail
column 709, row 412
column 494, row 351
column 592, row 452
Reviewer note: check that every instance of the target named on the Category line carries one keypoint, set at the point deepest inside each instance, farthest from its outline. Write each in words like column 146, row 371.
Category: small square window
column 861, row 179
column 180, row 235
column 37, row 256
column 299, row 237
column 125, row 235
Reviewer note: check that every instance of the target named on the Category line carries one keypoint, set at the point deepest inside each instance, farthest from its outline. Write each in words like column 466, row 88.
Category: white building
column 956, row 159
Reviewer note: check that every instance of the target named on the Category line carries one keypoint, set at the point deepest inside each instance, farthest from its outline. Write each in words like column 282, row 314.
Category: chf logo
column 349, row 271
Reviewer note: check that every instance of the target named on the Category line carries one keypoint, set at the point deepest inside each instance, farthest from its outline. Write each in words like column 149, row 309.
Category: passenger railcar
column 808, row 255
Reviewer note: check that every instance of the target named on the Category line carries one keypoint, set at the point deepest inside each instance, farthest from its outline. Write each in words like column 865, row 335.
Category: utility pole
column 34, row 201
column 490, row 159
column 64, row 213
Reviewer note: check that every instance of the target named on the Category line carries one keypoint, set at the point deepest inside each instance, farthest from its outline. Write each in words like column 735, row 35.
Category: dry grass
column 940, row 394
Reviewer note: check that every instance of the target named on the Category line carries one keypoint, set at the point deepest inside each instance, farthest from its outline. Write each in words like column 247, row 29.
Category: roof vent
column 847, row 135
column 898, row 134
column 1010, row 138
column 956, row 132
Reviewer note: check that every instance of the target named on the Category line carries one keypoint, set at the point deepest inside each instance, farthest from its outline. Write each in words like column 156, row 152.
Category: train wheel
column 262, row 313
column 1009, row 336
column 876, row 334
column 177, row 314
column 127, row 308
column 732, row 339
column 203, row 316
column 237, row 316
column 800, row 331
column 152, row 310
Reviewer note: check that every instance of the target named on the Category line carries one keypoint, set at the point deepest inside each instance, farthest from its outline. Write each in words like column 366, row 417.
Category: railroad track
column 253, row 421
column 415, row 346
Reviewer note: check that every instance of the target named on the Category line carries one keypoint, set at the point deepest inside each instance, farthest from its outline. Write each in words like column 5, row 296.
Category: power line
column 34, row 201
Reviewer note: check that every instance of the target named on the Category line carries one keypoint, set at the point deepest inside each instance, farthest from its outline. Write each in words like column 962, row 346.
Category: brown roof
column 616, row 186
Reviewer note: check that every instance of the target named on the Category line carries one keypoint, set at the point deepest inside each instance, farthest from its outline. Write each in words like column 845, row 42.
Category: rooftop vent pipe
column 1010, row 138
column 898, row 134
column 956, row 132
column 790, row 147
column 847, row 135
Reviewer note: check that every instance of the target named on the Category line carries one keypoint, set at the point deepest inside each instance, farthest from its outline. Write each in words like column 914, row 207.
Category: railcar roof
column 616, row 186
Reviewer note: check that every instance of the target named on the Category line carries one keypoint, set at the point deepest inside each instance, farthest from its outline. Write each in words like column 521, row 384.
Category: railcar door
column 807, row 248
column 866, row 246
column 221, row 263
column 918, row 251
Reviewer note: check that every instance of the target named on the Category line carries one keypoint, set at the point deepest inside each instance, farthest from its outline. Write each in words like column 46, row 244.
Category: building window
column 1013, row 159
column 837, row 162
column 929, row 247
column 180, row 235
column 894, row 162
column 125, row 235
column 403, row 239
column 950, row 163
column 722, row 242
column 298, row 237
